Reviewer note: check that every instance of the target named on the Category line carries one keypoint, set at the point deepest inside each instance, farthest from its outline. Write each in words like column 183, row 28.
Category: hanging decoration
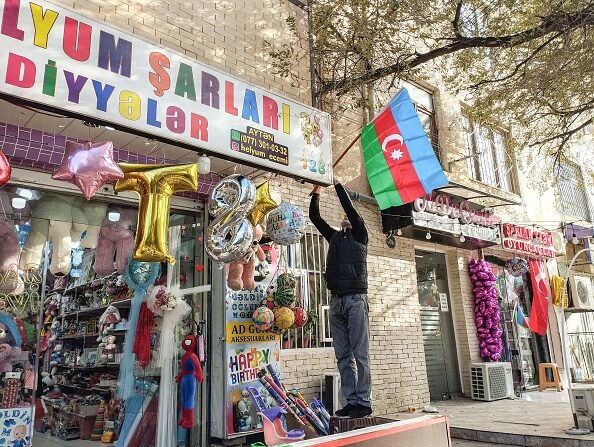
column 10, row 342
column 167, row 302
column 300, row 317
column 142, row 341
column 229, row 236
column 89, row 166
column 263, row 318
column 560, row 297
column 155, row 184
column 5, row 169
column 190, row 373
column 139, row 276
column 284, row 294
column 286, row 224
column 486, row 310
column 517, row 266
column 283, row 317
column 264, row 203
column 519, row 317
column 241, row 272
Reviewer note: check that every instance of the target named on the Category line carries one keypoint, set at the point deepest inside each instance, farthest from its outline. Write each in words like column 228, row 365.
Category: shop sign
column 248, row 350
column 16, row 426
column 64, row 60
column 440, row 213
column 528, row 240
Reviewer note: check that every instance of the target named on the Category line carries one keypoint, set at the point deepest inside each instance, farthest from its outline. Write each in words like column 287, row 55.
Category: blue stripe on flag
column 421, row 152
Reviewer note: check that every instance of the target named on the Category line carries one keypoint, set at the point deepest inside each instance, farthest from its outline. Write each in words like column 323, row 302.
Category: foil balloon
column 89, row 166
column 286, row 224
column 5, row 170
column 264, row 204
column 155, row 184
column 486, row 309
column 230, row 235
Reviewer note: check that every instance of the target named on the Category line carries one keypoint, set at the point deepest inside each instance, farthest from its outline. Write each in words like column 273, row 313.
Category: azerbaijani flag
column 399, row 159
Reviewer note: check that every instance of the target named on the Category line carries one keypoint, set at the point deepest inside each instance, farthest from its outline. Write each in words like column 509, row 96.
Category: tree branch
column 554, row 23
column 456, row 22
column 564, row 136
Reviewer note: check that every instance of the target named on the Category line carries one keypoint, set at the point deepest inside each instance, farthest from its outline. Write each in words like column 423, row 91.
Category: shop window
column 572, row 191
column 487, row 157
column 307, row 260
column 61, row 283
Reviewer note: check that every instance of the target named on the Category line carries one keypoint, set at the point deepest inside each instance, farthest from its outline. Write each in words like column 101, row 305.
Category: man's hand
column 316, row 189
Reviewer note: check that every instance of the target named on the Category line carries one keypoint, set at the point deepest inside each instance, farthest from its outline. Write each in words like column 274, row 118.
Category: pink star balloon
column 89, row 166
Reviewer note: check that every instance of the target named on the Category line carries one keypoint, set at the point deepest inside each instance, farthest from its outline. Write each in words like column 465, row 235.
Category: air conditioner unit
column 491, row 381
column 581, row 291
column 583, row 405
column 331, row 392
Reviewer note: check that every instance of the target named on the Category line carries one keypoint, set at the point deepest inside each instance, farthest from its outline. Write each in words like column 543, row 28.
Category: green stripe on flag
column 378, row 173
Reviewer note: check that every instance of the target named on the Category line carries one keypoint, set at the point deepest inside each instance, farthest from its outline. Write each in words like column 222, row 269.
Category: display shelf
column 78, row 388
column 92, row 310
column 82, row 286
column 117, row 332
column 80, row 368
column 576, row 310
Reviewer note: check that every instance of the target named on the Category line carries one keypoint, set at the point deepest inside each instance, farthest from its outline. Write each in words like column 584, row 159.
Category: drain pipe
column 361, row 197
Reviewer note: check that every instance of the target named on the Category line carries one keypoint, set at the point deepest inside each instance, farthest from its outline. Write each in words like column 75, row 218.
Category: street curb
column 517, row 439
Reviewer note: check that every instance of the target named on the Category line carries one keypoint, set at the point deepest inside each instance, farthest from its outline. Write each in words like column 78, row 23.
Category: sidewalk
column 537, row 420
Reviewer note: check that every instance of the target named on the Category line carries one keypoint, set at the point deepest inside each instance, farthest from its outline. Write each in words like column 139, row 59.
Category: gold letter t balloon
column 155, row 184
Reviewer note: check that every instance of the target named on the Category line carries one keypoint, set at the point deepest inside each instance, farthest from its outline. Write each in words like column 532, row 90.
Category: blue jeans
column 349, row 323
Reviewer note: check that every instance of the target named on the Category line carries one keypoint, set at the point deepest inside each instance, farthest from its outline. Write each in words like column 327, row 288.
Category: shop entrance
column 437, row 325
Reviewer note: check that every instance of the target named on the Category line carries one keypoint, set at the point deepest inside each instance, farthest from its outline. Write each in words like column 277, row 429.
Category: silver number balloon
column 229, row 237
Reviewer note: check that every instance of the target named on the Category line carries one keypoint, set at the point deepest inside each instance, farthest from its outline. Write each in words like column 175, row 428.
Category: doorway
column 437, row 325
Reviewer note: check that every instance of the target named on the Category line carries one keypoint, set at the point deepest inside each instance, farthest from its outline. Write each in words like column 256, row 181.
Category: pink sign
column 528, row 240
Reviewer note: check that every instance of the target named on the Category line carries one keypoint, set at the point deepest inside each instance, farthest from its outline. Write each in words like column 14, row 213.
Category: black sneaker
column 346, row 411
column 360, row 411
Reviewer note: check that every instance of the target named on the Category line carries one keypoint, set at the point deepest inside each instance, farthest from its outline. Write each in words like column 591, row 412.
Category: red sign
column 528, row 240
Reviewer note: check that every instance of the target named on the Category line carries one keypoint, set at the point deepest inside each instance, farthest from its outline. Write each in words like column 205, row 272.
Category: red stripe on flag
column 396, row 154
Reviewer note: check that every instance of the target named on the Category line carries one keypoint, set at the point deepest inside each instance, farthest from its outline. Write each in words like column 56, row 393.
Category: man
column 346, row 278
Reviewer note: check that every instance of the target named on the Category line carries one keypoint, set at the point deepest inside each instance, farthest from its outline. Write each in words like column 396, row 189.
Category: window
column 307, row 260
column 572, row 191
column 487, row 158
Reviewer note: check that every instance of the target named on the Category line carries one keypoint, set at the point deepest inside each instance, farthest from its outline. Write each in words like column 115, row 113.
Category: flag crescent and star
column 400, row 161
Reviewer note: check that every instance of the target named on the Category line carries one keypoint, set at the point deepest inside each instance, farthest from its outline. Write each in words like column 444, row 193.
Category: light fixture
column 399, row 232
column 428, row 235
column 203, row 164
column 462, row 238
column 18, row 203
column 90, row 124
column 575, row 239
column 391, row 240
column 109, row 127
column 113, row 216
column 534, row 238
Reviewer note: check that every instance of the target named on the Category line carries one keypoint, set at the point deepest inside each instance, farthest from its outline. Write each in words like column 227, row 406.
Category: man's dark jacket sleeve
column 359, row 230
column 314, row 215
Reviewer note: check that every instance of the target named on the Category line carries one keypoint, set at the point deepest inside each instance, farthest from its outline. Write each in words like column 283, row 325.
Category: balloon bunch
column 486, row 310
column 279, row 311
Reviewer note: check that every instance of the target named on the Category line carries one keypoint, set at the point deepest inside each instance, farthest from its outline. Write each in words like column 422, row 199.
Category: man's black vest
column 346, row 264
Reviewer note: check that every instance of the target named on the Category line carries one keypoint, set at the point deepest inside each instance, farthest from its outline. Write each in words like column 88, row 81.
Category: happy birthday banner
column 61, row 59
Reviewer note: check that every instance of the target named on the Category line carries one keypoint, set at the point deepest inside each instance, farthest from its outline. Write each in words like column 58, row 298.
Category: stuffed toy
column 116, row 240
column 108, row 320
column 241, row 272
column 55, row 218
column 95, row 213
column 191, row 371
column 56, row 331
column 56, row 358
column 109, row 350
column 10, row 342
column 11, row 250
column 49, row 378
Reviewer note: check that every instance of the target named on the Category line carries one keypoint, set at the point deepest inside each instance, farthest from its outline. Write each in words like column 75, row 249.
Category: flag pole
column 351, row 144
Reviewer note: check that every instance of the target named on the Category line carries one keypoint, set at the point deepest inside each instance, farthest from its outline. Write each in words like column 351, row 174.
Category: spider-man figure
column 191, row 371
